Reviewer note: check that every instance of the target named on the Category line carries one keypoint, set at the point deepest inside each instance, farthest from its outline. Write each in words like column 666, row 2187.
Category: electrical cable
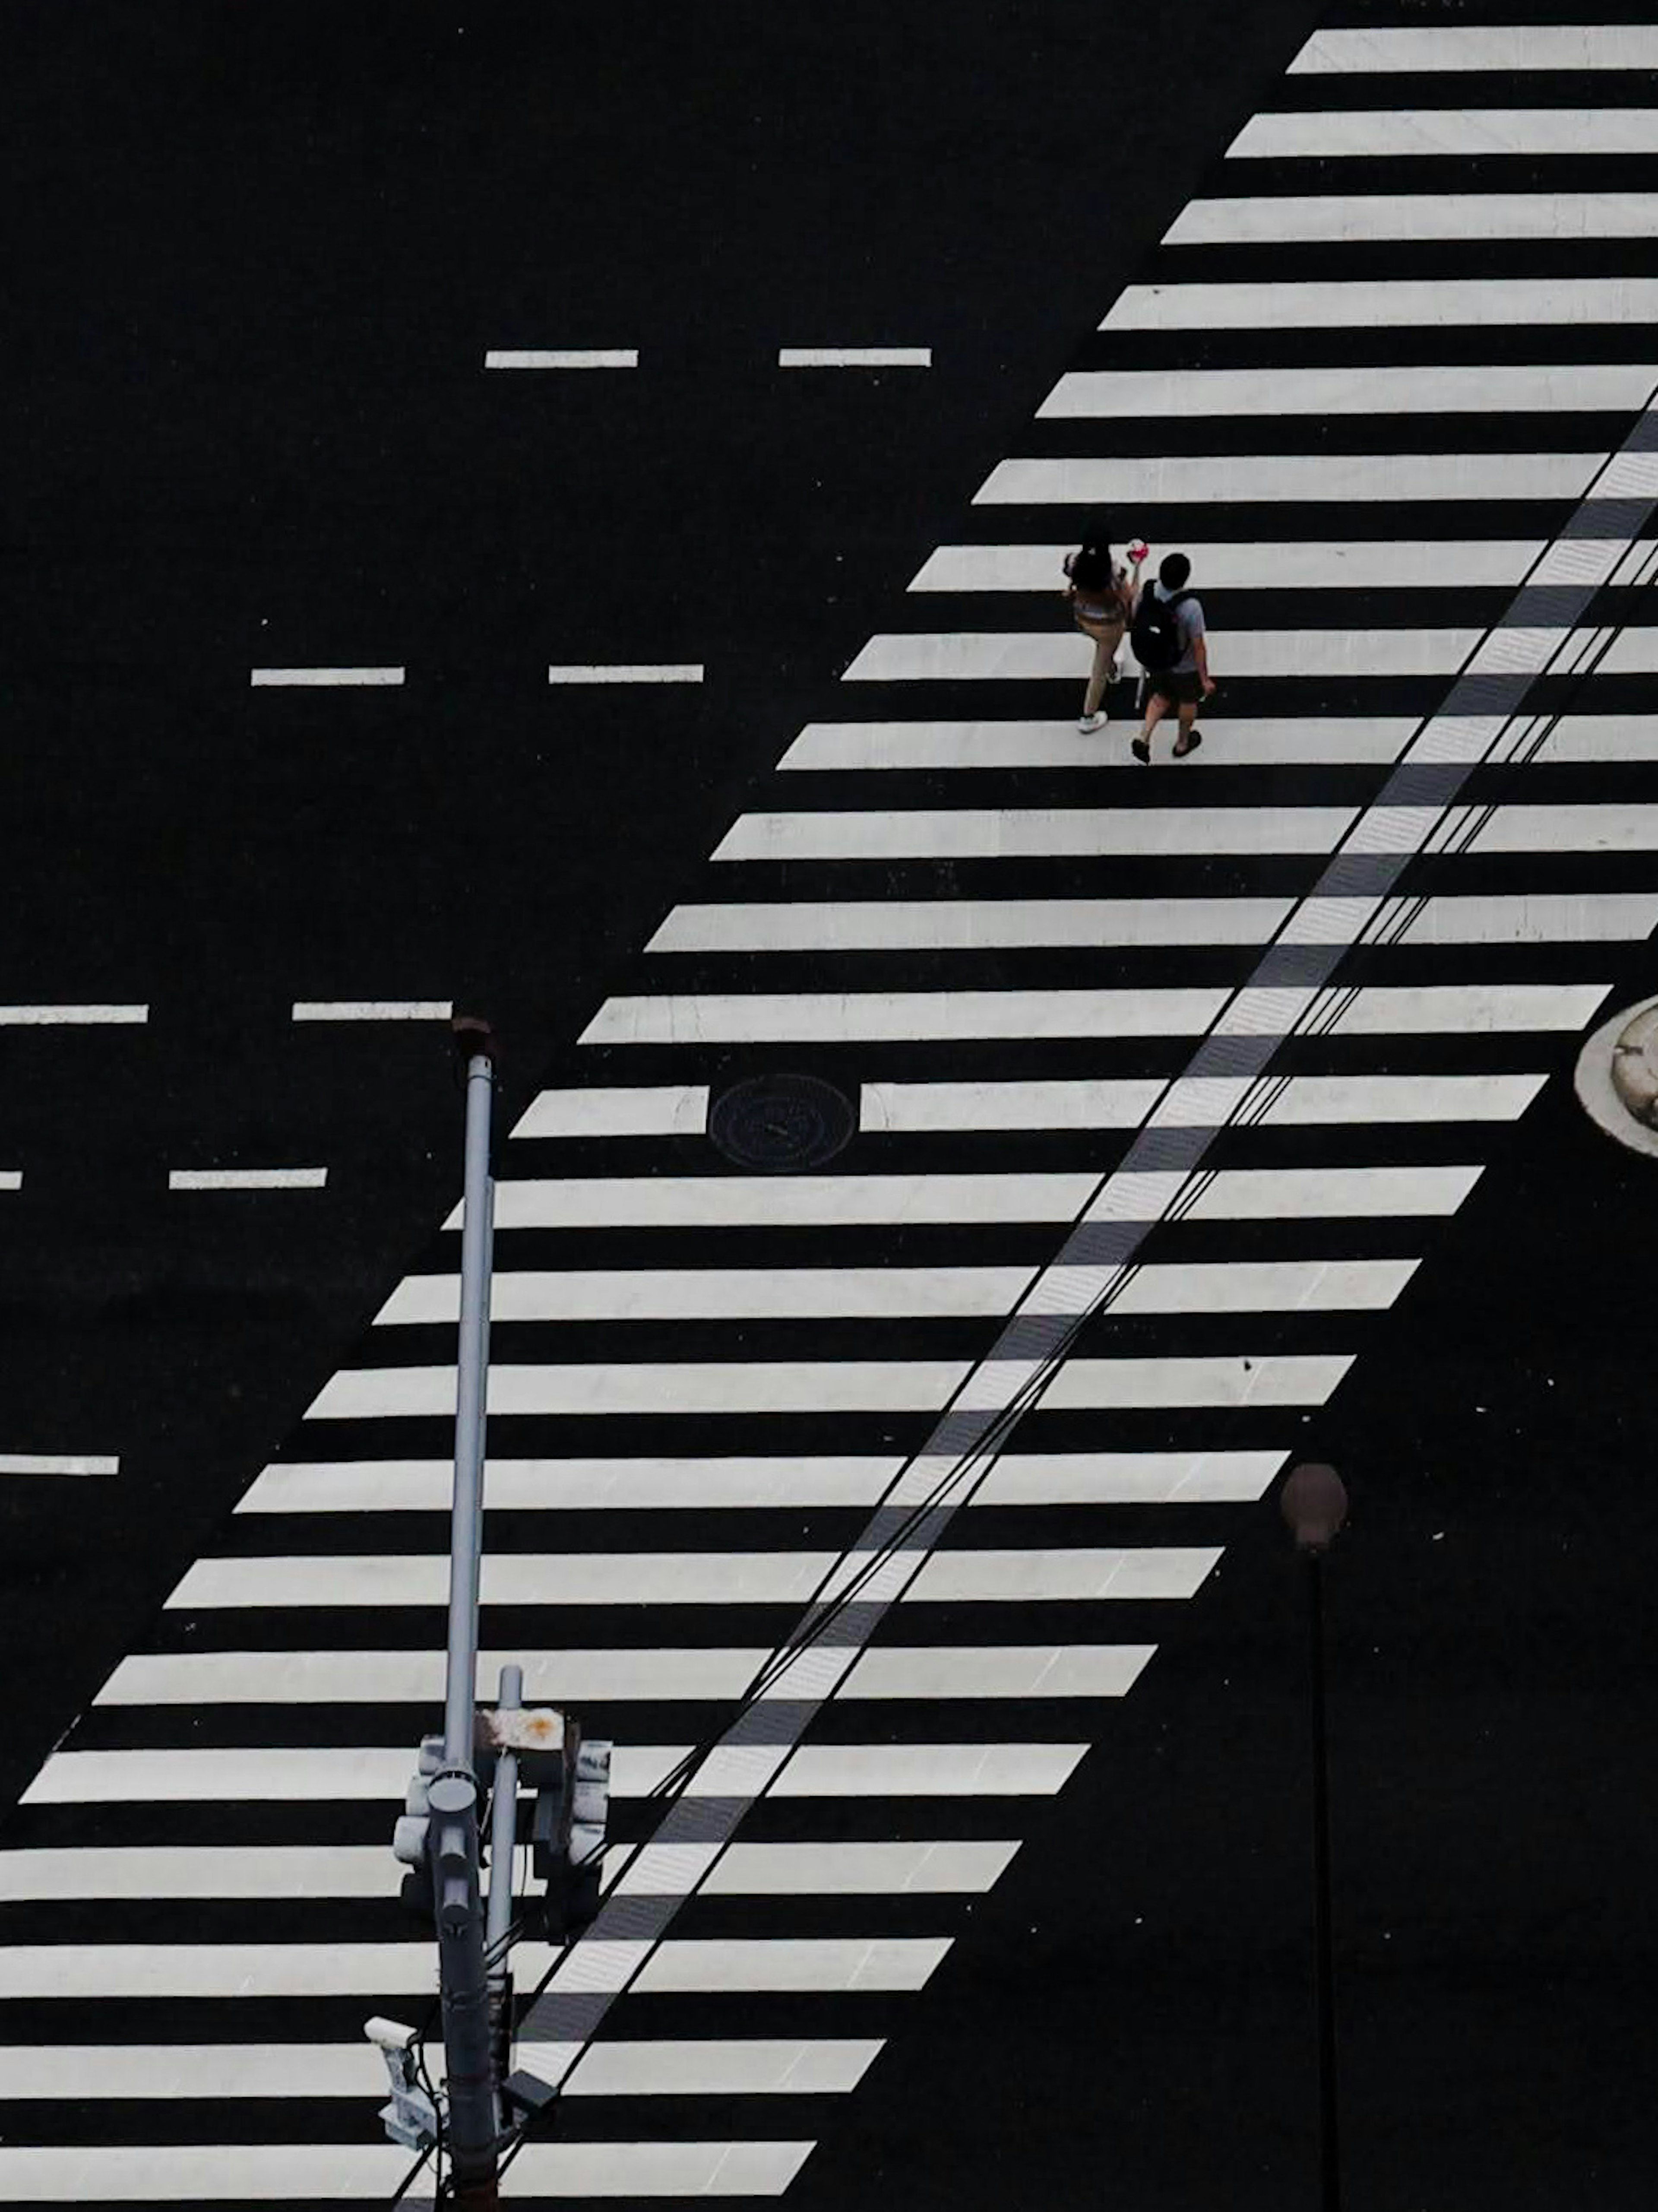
column 1322, row 1013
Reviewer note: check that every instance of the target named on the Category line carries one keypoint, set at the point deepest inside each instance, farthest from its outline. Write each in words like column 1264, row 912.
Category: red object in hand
column 1138, row 549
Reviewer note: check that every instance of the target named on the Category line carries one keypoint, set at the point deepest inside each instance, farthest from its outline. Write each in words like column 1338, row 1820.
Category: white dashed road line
column 58, row 1464
column 69, row 1017
column 854, row 357
column 661, row 671
column 533, row 357
column 372, row 1010
column 246, row 1178
column 268, row 678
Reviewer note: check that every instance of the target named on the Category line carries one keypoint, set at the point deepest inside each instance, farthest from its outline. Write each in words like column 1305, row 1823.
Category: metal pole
column 471, row 1390
column 1324, row 1962
column 463, row 1979
column 503, row 1843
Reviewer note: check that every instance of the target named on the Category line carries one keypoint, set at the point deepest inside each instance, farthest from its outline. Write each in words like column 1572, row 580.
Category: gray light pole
column 1314, row 1502
column 462, row 1976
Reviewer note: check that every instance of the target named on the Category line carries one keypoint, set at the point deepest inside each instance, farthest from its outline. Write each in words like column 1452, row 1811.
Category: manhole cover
column 776, row 1124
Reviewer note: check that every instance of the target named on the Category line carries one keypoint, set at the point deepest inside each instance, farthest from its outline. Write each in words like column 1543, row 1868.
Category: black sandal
column 1188, row 743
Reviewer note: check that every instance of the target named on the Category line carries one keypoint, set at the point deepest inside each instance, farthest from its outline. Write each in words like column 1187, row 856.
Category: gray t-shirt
column 1188, row 620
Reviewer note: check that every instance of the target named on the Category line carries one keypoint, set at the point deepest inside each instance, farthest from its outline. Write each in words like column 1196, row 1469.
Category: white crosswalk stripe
column 1182, row 1079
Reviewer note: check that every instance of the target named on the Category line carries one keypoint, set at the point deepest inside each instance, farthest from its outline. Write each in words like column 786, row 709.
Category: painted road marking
column 1427, row 49
column 366, row 1580
column 854, row 357
column 246, row 1178
column 322, row 2172
column 78, row 1463
column 219, row 2070
column 1012, row 833
column 728, row 1388
column 1064, row 655
column 536, row 357
column 326, row 1870
column 372, row 1010
column 817, row 1202
column 1387, row 133
column 1250, row 741
column 907, row 1108
column 1336, row 564
column 974, row 925
column 1359, row 218
column 662, row 1110
column 895, row 1292
column 269, row 679
column 665, row 671
column 697, row 1485
column 902, row 1016
column 1224, row 479
column 1434, row 389
column 253, row 1775
column 320, row 1677
column 90, row 1017
column 1366, row 303
column 966, row 925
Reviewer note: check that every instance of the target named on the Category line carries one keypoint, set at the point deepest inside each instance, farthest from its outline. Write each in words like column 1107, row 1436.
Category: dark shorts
column 1176, row 687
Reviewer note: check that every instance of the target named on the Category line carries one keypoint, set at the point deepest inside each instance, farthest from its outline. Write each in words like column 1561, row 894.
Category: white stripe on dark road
column 1357, row 218
column 1386, row 133
column 90, row 1017
column 1222, row 479
column 1367, row 303
column 854, row 357
column 325, row 2172
column 1030, row 832
column 662, row 1110
column 666, row 671
column 696, row 1485
column 815, row 1201
column 975, row 744
column 276, row 678
column 1337, row 564
column 372, row 1010
column 309, row 1678
column 246, row 1178
column 59, row 1463
column 533, row 357
column 1064, row 655
column 1434, row 389
column 1422, row 50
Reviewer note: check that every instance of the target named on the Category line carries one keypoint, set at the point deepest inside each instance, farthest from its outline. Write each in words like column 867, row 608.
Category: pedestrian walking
column 1167, row 633
column 1101, row 593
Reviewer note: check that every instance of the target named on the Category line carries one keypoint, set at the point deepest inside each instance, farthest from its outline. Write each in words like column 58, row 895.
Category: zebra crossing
column 1162, row 1094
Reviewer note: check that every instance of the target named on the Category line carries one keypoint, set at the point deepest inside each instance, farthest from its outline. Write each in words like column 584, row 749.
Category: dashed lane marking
column 537, row 358
column 644, row 672
column 70, row 1017
column 271, row 678
column 58, row 1464
column 246, row 1178
column 854, row 357
column 372, row 1010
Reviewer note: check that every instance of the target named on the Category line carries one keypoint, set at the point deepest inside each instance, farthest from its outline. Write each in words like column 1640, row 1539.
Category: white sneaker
column 1090, row 722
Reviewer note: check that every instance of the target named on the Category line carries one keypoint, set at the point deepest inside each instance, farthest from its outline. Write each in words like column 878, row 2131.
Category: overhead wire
column 1322, row 1013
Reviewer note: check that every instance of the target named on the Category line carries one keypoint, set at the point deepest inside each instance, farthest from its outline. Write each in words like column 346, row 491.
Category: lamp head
column 1315, row 1504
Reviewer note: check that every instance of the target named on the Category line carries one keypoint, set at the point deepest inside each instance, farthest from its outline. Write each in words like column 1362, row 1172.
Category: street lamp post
column 1314, row 1502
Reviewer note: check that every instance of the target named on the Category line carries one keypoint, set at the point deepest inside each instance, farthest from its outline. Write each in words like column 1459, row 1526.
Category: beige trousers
column 1107, row 643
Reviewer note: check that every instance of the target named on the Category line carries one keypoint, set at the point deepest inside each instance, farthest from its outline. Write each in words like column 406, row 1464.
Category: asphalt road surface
column 262, row 261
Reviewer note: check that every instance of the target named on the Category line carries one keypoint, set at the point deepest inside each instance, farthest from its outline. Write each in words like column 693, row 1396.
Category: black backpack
column 1155, row 636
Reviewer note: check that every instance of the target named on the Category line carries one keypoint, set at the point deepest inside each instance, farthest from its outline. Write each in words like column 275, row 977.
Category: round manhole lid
column 781, row 1124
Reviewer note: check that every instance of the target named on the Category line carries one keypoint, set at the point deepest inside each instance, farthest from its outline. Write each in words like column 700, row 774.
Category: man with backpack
column 1168, row 641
